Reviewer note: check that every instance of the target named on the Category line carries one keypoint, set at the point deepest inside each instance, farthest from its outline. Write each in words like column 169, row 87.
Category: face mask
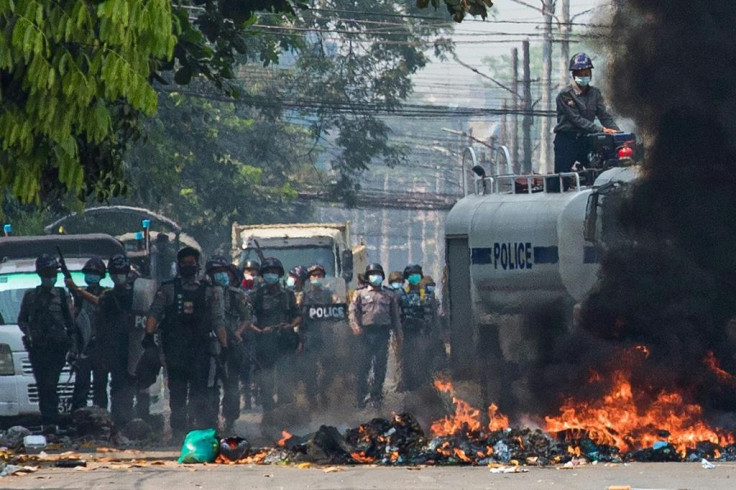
column 221, row 279
column 429, row 289
column 48, row 282
column 317, row 281
column 270, row 279
column 119, row 279
column 375, row 279
column 583, row 81
column 414, row 279
column 291, row 282
column 92, row 279
column 396, row 285
column 188, row 270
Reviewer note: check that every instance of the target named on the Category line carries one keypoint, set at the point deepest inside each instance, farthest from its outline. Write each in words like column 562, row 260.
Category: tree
column 458, row 8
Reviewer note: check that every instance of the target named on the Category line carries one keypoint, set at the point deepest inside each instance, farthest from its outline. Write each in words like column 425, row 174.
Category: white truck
column 327, row 244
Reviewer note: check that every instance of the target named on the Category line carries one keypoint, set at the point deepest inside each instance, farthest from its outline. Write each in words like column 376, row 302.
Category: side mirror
column 347, row 265
column 591, row 219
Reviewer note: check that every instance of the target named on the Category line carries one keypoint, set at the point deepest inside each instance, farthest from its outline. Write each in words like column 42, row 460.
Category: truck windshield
column 13, row 287
column 294, row 256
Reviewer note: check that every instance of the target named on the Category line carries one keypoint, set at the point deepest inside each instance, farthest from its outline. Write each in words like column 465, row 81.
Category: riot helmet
column 374, row 268
column 95, row 265
column 581, row 61
column 45, row 263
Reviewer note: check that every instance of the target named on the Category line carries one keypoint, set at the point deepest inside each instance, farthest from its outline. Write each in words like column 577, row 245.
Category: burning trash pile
column 612, row 429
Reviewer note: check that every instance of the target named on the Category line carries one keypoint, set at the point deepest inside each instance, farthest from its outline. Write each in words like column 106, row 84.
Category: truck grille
column 63, row 390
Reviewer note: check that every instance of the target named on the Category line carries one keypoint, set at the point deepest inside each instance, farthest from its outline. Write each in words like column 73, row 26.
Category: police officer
column 295, row 281
column 396, row 282
column 416, row 317
column 45, row 319
column 90, row 366
column 374, row 312
column 190, row 312
column 238, row 315
column 277, row 319
column 251, row 274
column 320, row 360
column 578, row 105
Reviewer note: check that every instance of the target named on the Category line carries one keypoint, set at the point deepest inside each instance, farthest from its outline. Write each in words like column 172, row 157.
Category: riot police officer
column 295, row 282
column 90, row 369
column 416, row 319
column 374, row 313
column 238, row 313
column 396, row 282
column 277, row 319
column 190, row 312
column 251, row 274
column 45, row 319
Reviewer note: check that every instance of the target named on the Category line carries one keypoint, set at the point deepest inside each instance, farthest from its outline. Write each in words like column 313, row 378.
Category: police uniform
column 90, row 365
column 376, row 312
column 418, row 316
column 46, row 321
column 274, row 305
column 319, row 361
column 238, row 310
column 576, row 113
column 188, row 312
column 115, row 338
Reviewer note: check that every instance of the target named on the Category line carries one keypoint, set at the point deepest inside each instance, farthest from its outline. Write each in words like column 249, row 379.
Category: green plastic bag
column 200, row 446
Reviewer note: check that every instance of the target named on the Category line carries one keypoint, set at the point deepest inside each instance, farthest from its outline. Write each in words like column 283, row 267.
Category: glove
column 148, row 341
column 71, row 357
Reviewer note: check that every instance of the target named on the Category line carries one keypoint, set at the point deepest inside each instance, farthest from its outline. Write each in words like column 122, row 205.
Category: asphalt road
column 173, row 476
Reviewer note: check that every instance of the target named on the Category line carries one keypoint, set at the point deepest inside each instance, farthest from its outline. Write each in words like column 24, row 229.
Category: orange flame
column 465, row 417
column 361, row 457
column 461, row 455
column 712, row 363
column 285, row 436
column 616, row 420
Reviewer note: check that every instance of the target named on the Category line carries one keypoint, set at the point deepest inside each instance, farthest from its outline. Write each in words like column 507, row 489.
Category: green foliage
column 458, row 8
column 66, row 68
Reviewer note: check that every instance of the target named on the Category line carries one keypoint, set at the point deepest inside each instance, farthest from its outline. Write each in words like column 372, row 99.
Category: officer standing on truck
column 578, row 105
column 374, row 313
column 190, row 313
column 277, row 319
column 90, row 368
column 45, row 319
column 238, row 315
column 251, row 275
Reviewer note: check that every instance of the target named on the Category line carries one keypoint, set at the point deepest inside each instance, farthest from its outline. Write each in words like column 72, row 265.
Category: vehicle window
column 292, row 257
column 13, row 287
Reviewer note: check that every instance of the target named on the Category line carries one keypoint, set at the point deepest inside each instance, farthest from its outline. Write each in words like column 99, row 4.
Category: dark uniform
column 319, row 362
column 189, row 311
column 274, row 306
column 46, row 321
column 374, row 312
column 238, row 311
column 91, row 369
column 418, row 316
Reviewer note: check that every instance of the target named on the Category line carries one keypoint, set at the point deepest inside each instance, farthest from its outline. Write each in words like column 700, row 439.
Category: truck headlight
column 6, row 361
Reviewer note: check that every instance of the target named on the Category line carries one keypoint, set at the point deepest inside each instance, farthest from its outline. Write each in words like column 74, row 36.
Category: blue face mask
column 270, row 278
column 583, row 81
column 221, row 279
column 92, row 279
column 429, row 289
column 375, row 279
column 119, row 279
column 291, row 282
column 414, row 279
column 317, row 281
column 48, row 282
column 396, row 285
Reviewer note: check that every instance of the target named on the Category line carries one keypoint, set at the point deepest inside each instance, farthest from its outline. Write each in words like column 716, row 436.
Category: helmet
column 412, row 269
column 316, row 268
column 272, row 263
column 374, row 268
column 428, row 281
column 118, row 264
column 299, row 272
column 580, row 61
column 396, row 276
column 46, row 261
column 187, row 252
column 252, row 264
column 237, row 273
column 95, row 265
column 215, row 262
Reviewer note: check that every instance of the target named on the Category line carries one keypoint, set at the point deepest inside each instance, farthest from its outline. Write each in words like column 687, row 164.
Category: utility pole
column 548, row 10
column 566, row 29
column 514, row 110
column 527, row 119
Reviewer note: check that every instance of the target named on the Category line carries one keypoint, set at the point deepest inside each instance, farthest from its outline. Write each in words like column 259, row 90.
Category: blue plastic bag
column 200, row 446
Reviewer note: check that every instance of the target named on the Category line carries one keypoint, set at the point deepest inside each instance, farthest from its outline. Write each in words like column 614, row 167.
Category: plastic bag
column 200, row 446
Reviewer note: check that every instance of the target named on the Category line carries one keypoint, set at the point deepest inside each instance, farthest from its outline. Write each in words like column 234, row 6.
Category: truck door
column 460, row 306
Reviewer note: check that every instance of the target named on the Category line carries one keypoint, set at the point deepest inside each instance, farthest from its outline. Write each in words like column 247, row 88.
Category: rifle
column 62, row 263
column 259, row 252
